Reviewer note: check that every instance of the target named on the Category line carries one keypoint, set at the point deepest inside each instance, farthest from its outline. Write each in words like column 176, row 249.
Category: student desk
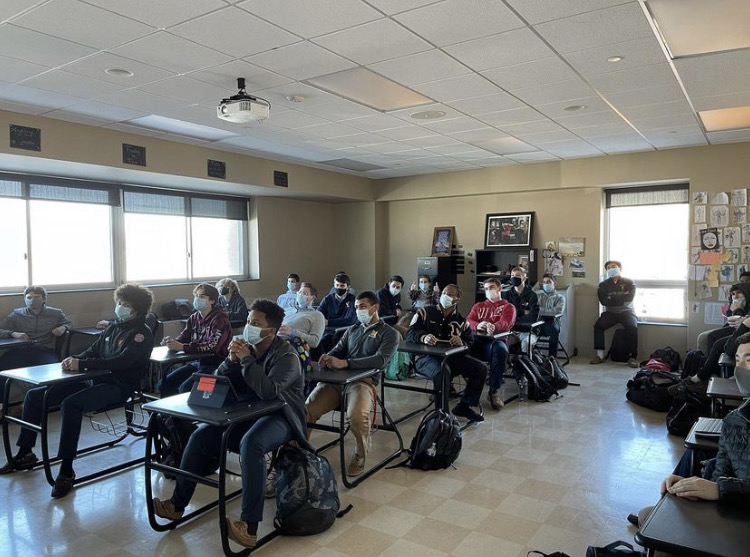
column 345, row 378
column 701, row 442
column 705, row 528
column 440, row 350
column 51, row 376
column 720, row 389
column 85, row 331
column 15, row 342
column 227, row 418
column 163, row 359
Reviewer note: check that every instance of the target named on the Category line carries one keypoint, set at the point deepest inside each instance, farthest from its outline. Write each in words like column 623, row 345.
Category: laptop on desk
column 708, row 427
column 214, row 391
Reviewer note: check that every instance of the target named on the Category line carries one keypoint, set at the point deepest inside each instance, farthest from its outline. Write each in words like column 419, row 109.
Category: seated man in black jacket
column 124, row 348
column 524, row 299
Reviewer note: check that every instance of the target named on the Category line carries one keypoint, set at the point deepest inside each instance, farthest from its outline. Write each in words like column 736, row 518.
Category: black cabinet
column 497, row 263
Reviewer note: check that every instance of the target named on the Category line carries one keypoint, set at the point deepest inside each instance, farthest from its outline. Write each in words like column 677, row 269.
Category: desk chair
column 726, row 363
column 542, row 343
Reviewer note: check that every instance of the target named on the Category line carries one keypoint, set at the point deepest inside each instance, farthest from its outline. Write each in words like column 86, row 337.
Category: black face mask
column 516, row 281
column 341, row 291
column 224, row 291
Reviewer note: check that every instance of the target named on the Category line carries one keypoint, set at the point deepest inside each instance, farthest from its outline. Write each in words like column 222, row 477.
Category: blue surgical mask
column 548, row 288
column 290, row 285
column 516, row 281
column 394, row 291
column 34, row 303
column 122, row 312
column 251, row 334
column 446, row 301
column 199, row 303
column 301, row 300
column 364, row 316
column 613, row 272
column 423, row 285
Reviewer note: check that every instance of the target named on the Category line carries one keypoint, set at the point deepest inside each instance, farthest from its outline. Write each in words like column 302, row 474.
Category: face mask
column 548, row 288
column 341, row 291
column 742, row 376
column 423, row 285
column 395, row 291
column 34, row 303
column 738, row 303
column 364, row 316
column 290, row 285
column 251, row 334
column 492, row 295
column 446, row 301
column 613, row 272
column 224, row 290
column 516, row 281
column 200, row 304
column 122, row 312
column 301, row 300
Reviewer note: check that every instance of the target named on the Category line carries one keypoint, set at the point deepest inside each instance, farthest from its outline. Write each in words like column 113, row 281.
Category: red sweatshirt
column 501, row 314
column 208, row 335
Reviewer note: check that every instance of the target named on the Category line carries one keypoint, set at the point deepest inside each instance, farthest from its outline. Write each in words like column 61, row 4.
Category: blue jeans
column 496, row 353
column 254, row 439
column 472, row 369
column 75, row 400
column 552, row 330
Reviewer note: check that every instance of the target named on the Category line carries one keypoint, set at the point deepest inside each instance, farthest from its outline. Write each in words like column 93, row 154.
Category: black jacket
column 617, row 297
column 388, row 302
column 526, row 300
column 432, row 321
column 124, row 348
column 732, row 471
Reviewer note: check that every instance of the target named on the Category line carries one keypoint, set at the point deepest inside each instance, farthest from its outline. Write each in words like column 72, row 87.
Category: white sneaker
column 356, row 465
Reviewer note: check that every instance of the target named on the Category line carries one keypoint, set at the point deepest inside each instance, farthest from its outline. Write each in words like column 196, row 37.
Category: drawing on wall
column 703, row 291
column 719, row 215
column 709, row 238
column 745, row 254
column 695, row 234
column 699, row 214
column 739, row 215
column 739, row 197
column 720, row 198
column 732, row 237
column 553, row 263
column 700, row 198
column 694, row 254
column 726, row 273
column 732, row 255
column 724, row 292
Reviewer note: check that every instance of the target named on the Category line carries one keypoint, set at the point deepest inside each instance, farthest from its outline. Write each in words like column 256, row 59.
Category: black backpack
column 649, row 388
column 540, row 381
column 179, row 308
column 174, row 434
column 615, row 549
column 437, row 442
column 688, row 405
column 693, row 363
column 560, row 379
column 670, row 356
column 620, row 349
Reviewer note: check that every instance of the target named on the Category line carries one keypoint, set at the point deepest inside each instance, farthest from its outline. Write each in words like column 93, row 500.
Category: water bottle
column 523, row 390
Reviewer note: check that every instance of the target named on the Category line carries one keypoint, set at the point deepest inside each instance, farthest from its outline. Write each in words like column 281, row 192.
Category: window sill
column 662, row 324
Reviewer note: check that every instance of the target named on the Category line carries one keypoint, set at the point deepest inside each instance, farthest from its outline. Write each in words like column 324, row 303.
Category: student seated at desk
column 268, row 367
column 525, row 300
column 422, row 294
column 35, row 321
column 389, row 297
column 124, row 349
column 231, row 300
column 208, row 331
column 492, row 316
column 338, row 310
column 444, row 323
column 739, row 294
column 370, row 344
column 729, row 482
column 288, row 300
column 551, row 303
column 306, row 323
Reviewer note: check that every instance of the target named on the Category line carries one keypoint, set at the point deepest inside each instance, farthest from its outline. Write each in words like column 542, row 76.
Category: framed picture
column 523, row 261
column 442, row 240
column 510, row 230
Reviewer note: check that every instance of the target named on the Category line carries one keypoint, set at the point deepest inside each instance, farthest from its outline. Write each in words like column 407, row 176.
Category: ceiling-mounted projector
column 243, row 108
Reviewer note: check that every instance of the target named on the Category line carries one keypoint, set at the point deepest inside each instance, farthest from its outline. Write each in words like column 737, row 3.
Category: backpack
column 398, row 368
column 687, row 407
column 613, row 550
column 670, row 356
column 620, row 349
column 539, row 380
column 437, row 442
column 693, row 363
column 176, row 309
column 307, row 497
column 649, row 388
column 560, row 379
column 174, row 434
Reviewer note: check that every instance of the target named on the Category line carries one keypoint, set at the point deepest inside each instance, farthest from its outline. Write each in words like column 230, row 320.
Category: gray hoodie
column 37, row 326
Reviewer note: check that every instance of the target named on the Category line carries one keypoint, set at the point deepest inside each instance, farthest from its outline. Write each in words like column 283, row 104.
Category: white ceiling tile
column 454, row 125
column 638, row 52
column 301, row 61
column 35, row 97
column 513, row 116
column 234, row 32
column 526, row 128
column 391, row 7
column 533, row 157
column 530, row 74
column 715, row 74
column 665, row 122
column 188, row 90
column 381, row 148
column 621, row 143
column 38, row 48
column 145, row 102
column 556, row 92
column 22, row 108
column 454, row 21
column 505, row 146
column 490, row 103
column 678, row 140
column 545, row 137
column 671, row 108
column 225, row 76
column 373, row 42
column 420, row 68
column 613, row 128
column 475, row 154
column 458, row 88
column 483, row 134
column 633, row 78
column 590, row 119
column 557, row 110
column 649, row 95
column 537, row 11
column 617, row 24
column 571, row 148
column 95, row 66
column 730, row 100
column 338, row 110
column 17, row 70
column 506, row 49
column 161, row 14
column 171, row 53
column 331, row 130
column 278, row 95
column 72, row 20
column 70, row 84
column 127, row 128
column 77, row 118
column 407, row 132
column 730, row 136
column 406, row 113
column 454, row 149
column 94, row 109
column 311, row 19
column 14, row 8
column 375, row 123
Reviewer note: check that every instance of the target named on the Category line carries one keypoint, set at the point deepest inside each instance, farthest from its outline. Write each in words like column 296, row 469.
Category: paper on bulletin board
column 713, row 314
column 739, row 197
column 703, row 291
column 695, row 307
column 719, row 216
column 699, row 214
column 713, row 276
column 699, row 272
column 709, row 257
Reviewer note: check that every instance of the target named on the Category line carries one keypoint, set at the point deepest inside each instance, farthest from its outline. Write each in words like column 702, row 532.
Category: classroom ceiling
column 504, row 73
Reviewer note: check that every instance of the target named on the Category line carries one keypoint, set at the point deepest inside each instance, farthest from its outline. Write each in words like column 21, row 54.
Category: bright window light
column 155, row 247
column 217, row 247
column 15, row 270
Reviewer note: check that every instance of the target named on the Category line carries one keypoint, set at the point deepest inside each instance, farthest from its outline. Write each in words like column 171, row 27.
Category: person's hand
column 323, row 361
column 413, row 286
column 172, row 344
column 490, row 328
column 695, row 487
column 430, row 340
column 57, row 331
column 746, row 322
column 70, row 364
column 22, row 336
column 668, row 482
column 103, row 324
column 165, row 340
column 735, row 321
column 239, row 348
column 285, row 331
column 398, row 313
column 337, row 363
column 456, row 341
column 436, row 288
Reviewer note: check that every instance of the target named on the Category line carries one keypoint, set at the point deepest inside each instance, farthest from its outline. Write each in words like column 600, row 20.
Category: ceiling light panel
column 726, row 119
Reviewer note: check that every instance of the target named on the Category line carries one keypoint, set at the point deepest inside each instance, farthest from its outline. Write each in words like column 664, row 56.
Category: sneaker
column 633, row 519
column 24, row 463
column 165, row 509
column 496, row 401
column 463, row 410
column 632, row 362
column 356, row 465
column 596, row 360
column 270, row 489
column 237, row 532
column 63, row 485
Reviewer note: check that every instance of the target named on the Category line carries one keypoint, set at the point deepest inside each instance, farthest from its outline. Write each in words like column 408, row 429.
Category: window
column 647, row 230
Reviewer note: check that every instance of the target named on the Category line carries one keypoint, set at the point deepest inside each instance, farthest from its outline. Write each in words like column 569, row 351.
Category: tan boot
column 596, row 360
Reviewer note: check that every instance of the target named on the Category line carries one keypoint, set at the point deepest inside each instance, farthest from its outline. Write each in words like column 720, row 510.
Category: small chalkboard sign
column 217, row 169
column 133, row 154
column 280, row 179
column 22, row 137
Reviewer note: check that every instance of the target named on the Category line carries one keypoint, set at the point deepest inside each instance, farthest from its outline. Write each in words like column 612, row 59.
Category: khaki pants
column 360, row 398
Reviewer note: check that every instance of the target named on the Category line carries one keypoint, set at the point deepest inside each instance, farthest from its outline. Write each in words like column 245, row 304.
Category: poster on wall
column 709, row 239
column 703, row 291
column 553, row 263
column 719, row 216
column 726, row 273
column 699, row 214
column 700, row 197
column 739, row 215
column 720, row 198
column 739, row 197
column 732, row 256
column 572, row 247
column 732, row 237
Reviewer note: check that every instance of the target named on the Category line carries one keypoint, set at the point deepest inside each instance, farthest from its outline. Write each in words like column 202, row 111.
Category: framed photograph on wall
column 442, row 240
column 509, row 230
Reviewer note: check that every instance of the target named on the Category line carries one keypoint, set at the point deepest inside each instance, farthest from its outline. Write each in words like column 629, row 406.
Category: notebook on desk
column 708, row 427
column 214, row 391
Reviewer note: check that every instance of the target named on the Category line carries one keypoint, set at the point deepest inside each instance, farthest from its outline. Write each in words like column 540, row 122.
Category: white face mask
column 394, row 291
column 364, row 316
column 446, row 301
column 492, row 295
column 613, row 272
column 251, row 334
column 301, row 300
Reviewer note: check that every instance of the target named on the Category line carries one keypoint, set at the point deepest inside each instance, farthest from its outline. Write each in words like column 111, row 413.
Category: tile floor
column 556, row 476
